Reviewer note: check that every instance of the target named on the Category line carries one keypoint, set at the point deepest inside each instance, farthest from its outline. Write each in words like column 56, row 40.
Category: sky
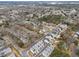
column 39, row 0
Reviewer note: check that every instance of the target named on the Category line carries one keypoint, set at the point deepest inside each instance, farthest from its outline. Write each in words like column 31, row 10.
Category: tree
column 77, row 52
column 58, row 53
column 56, row 19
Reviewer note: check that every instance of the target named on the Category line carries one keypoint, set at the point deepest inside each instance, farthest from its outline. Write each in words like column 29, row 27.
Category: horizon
column 39, row 0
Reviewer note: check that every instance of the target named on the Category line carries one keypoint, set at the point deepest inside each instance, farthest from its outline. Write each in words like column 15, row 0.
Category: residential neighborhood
column 39, row 29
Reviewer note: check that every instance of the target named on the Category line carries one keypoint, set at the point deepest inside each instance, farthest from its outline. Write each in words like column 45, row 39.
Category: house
column 4, row 50
column 44, row 47
column 47, row 51
column 35, row 49
column 77, row 33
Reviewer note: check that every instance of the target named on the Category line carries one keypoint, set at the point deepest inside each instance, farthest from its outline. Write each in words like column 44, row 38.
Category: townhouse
column 4, row 50
column 44, row 47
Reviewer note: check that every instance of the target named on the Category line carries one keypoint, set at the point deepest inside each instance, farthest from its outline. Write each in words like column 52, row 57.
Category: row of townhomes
column 5, row 50
column 45, row 46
